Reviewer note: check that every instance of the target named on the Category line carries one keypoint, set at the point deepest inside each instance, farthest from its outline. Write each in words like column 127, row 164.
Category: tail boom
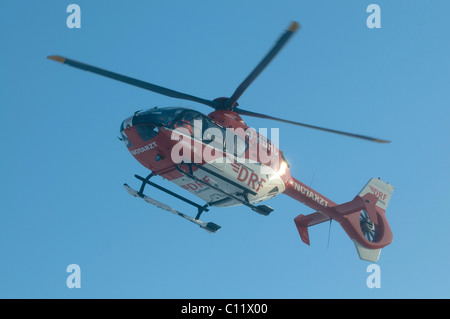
column 306, row 195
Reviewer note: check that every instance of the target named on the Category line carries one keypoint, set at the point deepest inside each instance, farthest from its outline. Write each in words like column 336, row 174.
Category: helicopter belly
column 246, row 181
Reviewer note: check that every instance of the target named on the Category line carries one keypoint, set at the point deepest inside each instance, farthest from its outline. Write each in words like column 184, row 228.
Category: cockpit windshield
column 158, row 117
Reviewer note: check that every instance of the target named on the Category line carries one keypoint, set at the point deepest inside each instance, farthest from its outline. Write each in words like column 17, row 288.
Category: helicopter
column 224, row 162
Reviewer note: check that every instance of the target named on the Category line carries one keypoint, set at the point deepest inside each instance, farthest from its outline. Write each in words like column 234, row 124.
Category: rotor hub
column 221, row 104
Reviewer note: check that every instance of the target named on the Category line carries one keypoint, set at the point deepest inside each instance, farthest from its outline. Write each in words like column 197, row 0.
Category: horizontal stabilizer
column 304, row 221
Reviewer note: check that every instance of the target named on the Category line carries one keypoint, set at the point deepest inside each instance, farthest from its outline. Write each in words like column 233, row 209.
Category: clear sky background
column 62, row 166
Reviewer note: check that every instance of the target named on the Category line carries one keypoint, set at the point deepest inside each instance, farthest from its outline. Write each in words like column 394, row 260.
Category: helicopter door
column 214, row 136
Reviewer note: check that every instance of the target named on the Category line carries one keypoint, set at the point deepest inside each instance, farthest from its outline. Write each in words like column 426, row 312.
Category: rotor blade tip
column 382, row 141
column 293, row 26
column 57, row 58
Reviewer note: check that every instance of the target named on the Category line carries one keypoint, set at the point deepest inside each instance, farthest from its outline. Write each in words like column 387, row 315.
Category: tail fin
column 380, row 189
column 369, row 221
column 363, row 219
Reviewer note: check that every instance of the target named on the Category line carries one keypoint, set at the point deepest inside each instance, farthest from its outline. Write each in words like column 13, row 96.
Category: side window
column 146, row 131
column 213, row 134
column 126, row 140
column 223, row 139
column 188, row 121
column 236, row 145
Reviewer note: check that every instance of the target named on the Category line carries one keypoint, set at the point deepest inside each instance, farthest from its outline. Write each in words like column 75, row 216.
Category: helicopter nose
column 127, row 123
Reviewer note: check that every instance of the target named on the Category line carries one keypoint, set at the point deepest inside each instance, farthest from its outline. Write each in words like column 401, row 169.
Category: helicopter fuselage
column 218, row 149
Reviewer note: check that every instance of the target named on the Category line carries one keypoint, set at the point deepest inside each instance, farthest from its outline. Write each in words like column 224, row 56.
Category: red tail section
column 363, row 218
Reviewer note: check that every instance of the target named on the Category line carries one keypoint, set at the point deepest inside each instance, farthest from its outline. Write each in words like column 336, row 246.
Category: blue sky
column 62, row 166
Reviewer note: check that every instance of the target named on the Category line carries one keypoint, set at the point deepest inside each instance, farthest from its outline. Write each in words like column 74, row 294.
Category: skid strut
column 208, row 226
column 260, row 209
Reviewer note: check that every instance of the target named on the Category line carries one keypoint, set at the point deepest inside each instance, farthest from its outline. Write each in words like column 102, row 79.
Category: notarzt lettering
column 143, row 149
column 310, row 194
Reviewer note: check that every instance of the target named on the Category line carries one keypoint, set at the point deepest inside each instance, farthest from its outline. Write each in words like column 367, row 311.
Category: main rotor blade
column 132, row 81
column 263, row 116
column 264, row 62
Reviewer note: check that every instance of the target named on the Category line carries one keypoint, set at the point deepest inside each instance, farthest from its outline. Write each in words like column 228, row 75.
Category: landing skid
column 260, row 209
column 208, row 226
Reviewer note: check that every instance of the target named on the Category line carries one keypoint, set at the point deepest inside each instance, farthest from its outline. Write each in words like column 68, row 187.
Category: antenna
column 329, row 229
column 312, row 179
column 329, row 233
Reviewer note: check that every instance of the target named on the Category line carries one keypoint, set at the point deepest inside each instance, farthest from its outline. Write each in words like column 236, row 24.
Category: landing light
column 282, row 170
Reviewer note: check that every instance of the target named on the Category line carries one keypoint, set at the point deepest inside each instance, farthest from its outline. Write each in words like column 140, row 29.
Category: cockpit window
column 238, row 145
column 187, row 119
column 146, row 131
column 157, row 117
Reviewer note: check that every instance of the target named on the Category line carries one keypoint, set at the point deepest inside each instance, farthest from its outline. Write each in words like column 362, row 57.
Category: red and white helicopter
column 218, row 158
